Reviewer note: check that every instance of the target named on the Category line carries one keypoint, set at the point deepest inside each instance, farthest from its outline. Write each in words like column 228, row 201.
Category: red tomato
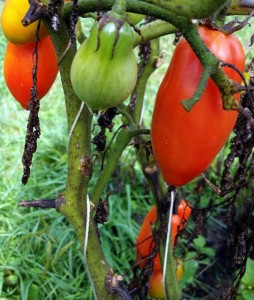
column 184, row 212
column 175, row 227
column 145, row 244
column 185, row 143
column 18, row 64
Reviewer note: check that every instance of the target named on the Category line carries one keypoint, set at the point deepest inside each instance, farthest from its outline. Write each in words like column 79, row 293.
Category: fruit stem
column 119, row 7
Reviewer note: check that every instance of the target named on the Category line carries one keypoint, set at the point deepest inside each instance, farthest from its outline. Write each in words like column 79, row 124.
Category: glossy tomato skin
column 12, row 14
column 156, row 289
column 145, row 244
column 104, row 69
column 185, row 143
column 184, row 212
column 18, row 64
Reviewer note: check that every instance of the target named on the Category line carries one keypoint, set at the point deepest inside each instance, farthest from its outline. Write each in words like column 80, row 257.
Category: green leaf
column 33, row 292
column 61, row 252
column 248, row 278
column 199, row 242
column 248, row 294
column 210, row 252
column 188, row 277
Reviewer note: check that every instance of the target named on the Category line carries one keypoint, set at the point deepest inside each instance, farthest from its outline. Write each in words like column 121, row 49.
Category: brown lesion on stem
column 47, row 203
column 36, row 11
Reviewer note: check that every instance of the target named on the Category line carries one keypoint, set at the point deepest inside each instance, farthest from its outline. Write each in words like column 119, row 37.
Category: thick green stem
column 207, row 72
column 121, row 143
column 119, row 7
column 241, row 7
column 220, row 16
column 74, row 207
column 190, row 8
column 171, row 283
column 210, row 62
column 152, row 31
column 79, row 144
column 146, row 69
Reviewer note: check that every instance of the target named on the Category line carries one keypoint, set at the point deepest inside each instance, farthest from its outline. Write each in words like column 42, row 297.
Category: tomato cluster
column 19, row 61
column 145, row 245
column 185, row 143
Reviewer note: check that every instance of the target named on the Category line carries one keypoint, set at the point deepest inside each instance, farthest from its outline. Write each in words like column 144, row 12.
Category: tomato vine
column 75, row 203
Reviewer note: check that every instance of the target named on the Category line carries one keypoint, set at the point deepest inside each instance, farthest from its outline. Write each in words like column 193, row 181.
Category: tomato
column 12, row 14
column 156, row 289
column 185, row 143
column 104, row 69
column 18, row 64
column 184, row 212
column 175, row 227
column 144, row 242
column 179, row 269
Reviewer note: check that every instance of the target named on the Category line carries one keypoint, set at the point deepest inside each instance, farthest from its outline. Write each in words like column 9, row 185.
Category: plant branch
column 152, row 31
column 150, row 53
column 122, row 140
column 74, row 207
column 208, row 70
column 190, row 8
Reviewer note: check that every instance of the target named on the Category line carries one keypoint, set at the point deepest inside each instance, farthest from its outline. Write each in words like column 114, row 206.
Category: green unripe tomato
column 104, row 69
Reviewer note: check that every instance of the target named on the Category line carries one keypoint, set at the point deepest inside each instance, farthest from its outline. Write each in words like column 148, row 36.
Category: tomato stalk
column 211, row 68
column 145, row 71
column 74, row 205
column 119, row 7
column 189, row 8
column 152, row 31
column 122, row 140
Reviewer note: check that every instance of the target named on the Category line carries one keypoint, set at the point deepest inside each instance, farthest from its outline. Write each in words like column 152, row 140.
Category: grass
column 40, row 257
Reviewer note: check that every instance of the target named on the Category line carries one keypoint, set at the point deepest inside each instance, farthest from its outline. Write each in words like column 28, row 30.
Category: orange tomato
column 145, row 244
column 12, row 13
column 156, row 289
column 184, row 212
column 18, row 64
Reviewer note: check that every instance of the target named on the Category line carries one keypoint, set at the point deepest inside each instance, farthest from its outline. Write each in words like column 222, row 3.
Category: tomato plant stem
column 74, row 206
column 146, row 67
column 119, row 7
column 152, row 31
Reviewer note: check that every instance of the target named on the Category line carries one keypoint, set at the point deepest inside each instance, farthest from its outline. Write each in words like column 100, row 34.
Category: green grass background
column 40, row 257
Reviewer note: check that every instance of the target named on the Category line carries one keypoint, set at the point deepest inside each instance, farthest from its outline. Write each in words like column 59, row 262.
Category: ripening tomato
column 18, row 64
column 145, row 244
column 185, row 143
column 184, row 212
column 156, row 289
column 12, row 14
